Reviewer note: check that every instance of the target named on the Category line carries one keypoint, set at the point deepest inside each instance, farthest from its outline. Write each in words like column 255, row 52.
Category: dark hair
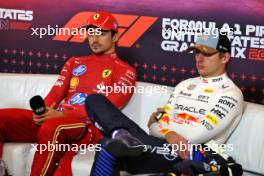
column 93, row 26
column 113, row 33
column 221, row 55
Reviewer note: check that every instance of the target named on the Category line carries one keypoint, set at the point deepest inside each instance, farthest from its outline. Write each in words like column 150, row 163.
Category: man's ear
column 226, row 57
column 115, row 37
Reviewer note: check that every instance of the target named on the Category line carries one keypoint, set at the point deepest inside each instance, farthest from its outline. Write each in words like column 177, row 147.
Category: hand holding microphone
column 37, row 105
column 41, row 112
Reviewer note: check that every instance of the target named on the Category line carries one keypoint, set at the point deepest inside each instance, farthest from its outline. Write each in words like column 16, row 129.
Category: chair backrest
column 247, row 139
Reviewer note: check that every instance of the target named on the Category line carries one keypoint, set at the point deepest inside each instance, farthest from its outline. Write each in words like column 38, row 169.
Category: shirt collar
column 106, row 56
column 214, row 80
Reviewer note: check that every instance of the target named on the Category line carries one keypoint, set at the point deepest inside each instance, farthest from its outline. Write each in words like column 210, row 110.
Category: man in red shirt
column 66, row 121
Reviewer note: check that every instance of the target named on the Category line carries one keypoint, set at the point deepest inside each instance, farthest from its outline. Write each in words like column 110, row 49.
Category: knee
column 2, row 139
column 5, row 123
column 93, row 100
column 2, row 123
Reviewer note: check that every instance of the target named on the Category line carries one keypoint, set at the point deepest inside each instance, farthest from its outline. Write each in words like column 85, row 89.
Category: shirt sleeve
column 124, row 77
column 123, row 85
column 220, row 118
column 171, row 101
column 156, row 128
column 61, row 86
column 225, row 110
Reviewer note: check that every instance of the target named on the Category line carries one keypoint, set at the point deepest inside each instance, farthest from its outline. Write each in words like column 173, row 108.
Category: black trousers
column 157, row 156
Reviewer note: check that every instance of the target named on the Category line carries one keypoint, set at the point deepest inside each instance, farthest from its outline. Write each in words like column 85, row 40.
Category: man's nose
column 94, row 38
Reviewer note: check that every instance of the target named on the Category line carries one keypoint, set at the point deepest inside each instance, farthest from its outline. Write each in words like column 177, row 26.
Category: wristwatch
column 159, row 116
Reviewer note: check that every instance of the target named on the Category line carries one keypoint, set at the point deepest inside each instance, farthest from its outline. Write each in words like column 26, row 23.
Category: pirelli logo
column 131, row 28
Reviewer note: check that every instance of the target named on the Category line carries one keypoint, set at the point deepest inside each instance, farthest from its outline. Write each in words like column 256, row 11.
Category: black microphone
column 37, row 105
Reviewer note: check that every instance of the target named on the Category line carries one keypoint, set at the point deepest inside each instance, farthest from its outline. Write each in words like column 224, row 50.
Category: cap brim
column 202, row 48
column 96, row 26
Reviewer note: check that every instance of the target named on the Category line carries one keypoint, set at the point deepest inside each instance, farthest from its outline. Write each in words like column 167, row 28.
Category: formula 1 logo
column 131, row 28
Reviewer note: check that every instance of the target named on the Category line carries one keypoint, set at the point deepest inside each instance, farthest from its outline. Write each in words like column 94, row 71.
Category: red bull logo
column 186, row 119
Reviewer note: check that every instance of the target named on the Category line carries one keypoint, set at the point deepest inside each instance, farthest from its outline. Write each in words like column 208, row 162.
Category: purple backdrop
column 152, row 49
